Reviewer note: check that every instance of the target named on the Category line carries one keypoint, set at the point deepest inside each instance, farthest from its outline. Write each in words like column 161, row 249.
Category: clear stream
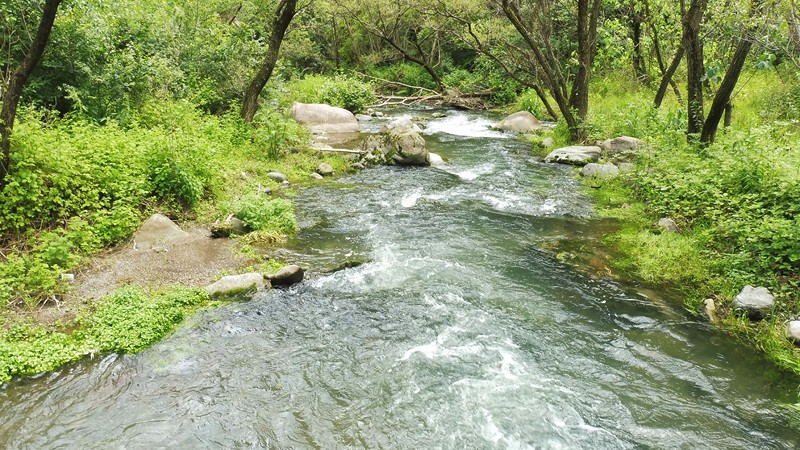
column 459, row 333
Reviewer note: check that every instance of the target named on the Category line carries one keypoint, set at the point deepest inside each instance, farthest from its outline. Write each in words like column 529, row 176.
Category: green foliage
column 341, row 90
column 127, row 320
column 263, row 213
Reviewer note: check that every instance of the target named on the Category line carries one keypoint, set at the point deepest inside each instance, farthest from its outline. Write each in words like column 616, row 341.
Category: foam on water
column 461, row 124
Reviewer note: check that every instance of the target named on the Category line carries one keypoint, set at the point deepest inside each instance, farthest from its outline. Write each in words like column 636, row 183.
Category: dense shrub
column 343, row 91
column 262, row 213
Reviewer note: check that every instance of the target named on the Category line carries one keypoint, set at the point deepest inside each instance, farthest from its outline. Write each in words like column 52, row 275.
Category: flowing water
column 458, row 333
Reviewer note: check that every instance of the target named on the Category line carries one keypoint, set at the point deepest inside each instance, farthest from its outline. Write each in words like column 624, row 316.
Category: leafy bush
column 262, row 213
column 341, row 90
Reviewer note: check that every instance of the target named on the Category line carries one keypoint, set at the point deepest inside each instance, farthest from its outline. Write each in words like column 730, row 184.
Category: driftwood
column 450, row 98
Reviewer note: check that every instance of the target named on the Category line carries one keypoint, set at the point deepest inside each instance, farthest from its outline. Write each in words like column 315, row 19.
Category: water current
column 459, row 333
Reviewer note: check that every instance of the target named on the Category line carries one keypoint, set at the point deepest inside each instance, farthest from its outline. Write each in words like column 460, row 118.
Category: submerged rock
column 520, row 122
column 600, row 171
column 233, row 287
column 578, row 155
column 157, row 231
column 757, row 302
column 287, row 276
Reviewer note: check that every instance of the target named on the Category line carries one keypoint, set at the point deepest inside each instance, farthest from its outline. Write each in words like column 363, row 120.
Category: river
column 459, row 333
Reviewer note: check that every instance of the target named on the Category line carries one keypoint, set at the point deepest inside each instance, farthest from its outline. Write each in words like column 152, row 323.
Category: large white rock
column 241, row 286
column 520, row 122
column 578, row 155
column 157, row 231
column 320, row 118
column 793, row 331
column 757, row 302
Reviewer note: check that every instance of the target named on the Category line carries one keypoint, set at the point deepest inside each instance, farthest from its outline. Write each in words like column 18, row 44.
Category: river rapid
column 459, row 333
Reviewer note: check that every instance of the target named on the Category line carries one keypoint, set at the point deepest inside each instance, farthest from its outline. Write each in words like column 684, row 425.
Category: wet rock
column 578, row 155
column 405, row 149
column 321, row 118
column 435, row 159
column 793, row 331
column 548, row 142
column 325, row 169
column 520, row 122
column 236, row 287
column 600, row 171
column 439, row 115
column 277, row 177
column 287, row 276
column 316, row 176
column 756, row 302
column 400, row 126
column 157, row 231
column 620, row 144
column 667, row 224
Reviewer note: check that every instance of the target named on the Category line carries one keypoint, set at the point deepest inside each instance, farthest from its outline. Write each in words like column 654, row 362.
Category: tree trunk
column 13, row 91
column 587, row 45
column 695, row 69
column 639, row 67
column 284, row 14
column 666, row 79
column 723, row 97
column 728, row 114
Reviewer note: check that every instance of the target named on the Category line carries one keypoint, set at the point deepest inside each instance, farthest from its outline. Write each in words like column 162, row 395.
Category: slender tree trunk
column 723, row 97
column 639, row 67
column 284, row 14
column 587, row 45
column 13, row 91
column 694, row 64
column 728, row 115
column 666, row 79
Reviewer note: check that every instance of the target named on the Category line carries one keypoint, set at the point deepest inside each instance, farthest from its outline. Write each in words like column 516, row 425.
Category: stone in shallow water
column 241, row 286
column 287, row 276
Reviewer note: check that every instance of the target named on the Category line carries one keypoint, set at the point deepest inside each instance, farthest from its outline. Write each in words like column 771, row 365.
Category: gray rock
column 626, row 167
column 285, row 183
column 320, row 118
column 266, row 191
column 316, row 176
column 548, row 142
column 405, row 149
column 157, row 231
column 287, row 276
column 237, row 225
column 578, row 155
column 667, row 224
column 363, row 117
column 439, row 115
column 236, row 287
column 400, row 126
column 520, row 122
column 757, row 302
column 600, row 171
column 277, row 177
column 793, row 331
column 620, row 144
column 325, row 169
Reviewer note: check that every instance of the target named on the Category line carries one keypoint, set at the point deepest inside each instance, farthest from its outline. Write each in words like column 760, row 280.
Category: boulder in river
column 321, row 118
column 620, row 144
column 287, row 276
column 578, row 155
column 157, row 231
column 756, row 302
column 520, row 122
column 236, row 287
column 399, row 144
column 600, row 171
